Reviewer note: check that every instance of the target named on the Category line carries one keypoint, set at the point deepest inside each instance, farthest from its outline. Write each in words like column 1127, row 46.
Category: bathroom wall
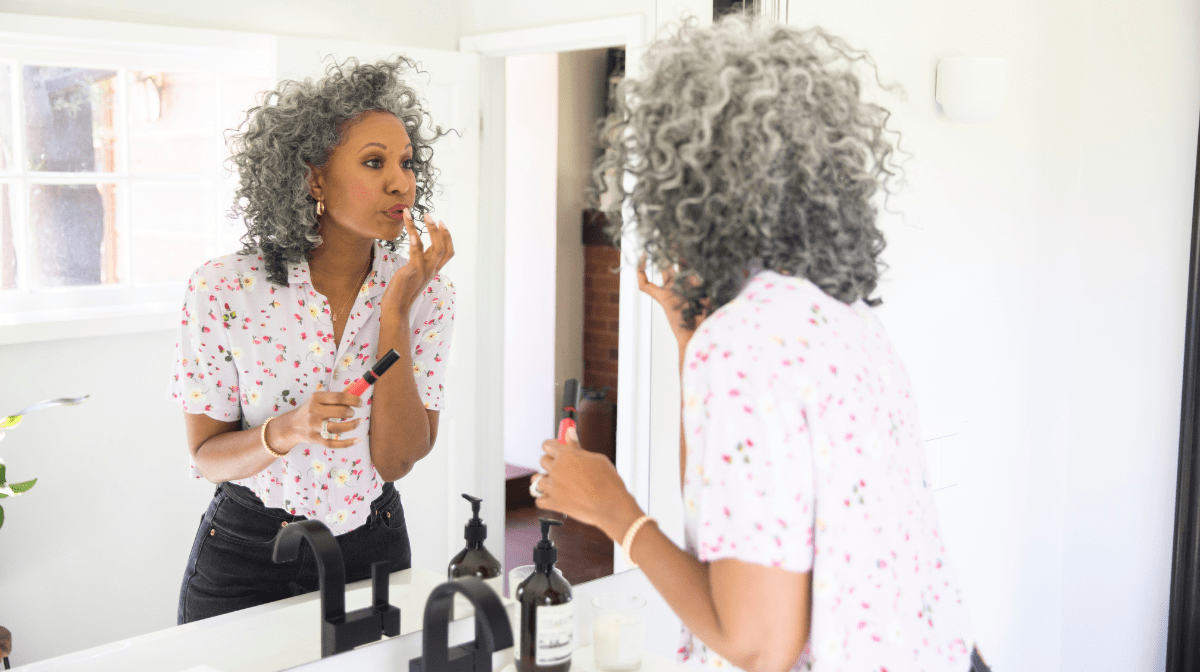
column 433, row 24
column 1037, row 294
column 531, row 231
column 485, row 16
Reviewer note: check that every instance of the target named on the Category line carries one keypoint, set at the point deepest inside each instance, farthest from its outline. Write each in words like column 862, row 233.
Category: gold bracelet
column 263, row 435
column 627, row 543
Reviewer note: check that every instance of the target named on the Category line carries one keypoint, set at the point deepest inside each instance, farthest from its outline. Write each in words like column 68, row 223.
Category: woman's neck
column 340, row 258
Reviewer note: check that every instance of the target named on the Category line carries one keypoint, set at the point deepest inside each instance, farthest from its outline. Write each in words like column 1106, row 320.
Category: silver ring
column 534, row 489
column 325, row 431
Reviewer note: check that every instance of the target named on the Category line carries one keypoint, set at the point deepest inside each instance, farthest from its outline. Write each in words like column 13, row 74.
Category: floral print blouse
column 249, row 350
column 803, row 452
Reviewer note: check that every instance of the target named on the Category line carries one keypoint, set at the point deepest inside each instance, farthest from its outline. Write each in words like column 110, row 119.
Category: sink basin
column 266, row 638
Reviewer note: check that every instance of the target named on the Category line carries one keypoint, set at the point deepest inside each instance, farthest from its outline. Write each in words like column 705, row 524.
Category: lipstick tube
column 368, row 379
column 567, row 422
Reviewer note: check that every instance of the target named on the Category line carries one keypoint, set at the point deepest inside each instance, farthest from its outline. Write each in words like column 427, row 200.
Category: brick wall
column 601, row 298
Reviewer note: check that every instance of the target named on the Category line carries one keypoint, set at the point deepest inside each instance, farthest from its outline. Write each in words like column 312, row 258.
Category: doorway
column 562, row 296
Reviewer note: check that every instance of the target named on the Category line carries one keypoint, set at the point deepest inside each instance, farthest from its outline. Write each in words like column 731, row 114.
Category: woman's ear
column 315, row 184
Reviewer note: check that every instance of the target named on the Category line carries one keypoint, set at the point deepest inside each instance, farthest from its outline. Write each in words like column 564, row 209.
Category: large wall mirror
column 98, row 547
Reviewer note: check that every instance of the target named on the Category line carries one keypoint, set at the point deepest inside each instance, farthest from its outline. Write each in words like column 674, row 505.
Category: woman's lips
column 397, row 213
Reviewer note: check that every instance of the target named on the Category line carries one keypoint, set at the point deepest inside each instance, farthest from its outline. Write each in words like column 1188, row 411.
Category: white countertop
column 582, row 660
column 286, row 635
column 266, row 638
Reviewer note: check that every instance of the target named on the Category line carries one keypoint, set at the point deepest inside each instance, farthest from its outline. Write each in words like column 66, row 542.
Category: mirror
column 114, row 513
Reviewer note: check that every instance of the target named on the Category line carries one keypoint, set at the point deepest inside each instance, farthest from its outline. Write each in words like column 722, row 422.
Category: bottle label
column 555, row 633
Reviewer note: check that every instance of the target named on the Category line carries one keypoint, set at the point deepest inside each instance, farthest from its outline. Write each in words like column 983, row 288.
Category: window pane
column 74, row 234
column 6, row 117
column 8, row 248
column 69, row 119
column 171, row 119
column 170, row 228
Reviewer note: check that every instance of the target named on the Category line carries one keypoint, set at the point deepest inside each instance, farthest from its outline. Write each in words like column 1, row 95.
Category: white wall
column 530, row 251
column 96, row 550
column 487, row 16
column 432, row 24
column 1129, row 271
column 582, row 77
column 1037, row 294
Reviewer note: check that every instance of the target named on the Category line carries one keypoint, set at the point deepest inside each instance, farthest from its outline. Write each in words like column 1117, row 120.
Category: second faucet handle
column 389, row 614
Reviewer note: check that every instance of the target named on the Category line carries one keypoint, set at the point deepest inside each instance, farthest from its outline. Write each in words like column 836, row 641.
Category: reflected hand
column 670, row 301
column 423, row 263
column 585, row 486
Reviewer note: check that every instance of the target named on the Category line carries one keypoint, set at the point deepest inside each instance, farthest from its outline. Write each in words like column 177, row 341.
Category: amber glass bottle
column 474, row 559
column 547, row 635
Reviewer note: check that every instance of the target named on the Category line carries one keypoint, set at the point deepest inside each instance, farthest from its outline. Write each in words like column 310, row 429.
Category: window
column 113, row 185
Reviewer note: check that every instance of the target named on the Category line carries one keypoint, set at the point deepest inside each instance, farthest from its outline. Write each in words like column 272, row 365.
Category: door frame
column 634, row 340
column 1183, row 644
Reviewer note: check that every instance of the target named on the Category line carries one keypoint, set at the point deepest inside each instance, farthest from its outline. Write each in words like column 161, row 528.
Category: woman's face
column 368, row 183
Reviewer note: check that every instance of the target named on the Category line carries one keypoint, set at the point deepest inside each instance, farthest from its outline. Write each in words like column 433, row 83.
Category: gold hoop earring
column 320, row 208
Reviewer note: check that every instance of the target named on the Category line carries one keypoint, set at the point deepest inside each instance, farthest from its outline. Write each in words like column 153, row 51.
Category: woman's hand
column 408, row 282
column 670, row 301
column 585, row 486
column 303, row 424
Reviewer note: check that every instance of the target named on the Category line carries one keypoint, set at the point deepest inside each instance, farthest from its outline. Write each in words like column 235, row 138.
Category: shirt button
column 283, row 524
column 212, row 531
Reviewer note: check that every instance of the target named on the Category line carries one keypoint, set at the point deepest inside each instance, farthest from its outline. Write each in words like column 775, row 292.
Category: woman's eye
column 374, row 163
column 408, row 164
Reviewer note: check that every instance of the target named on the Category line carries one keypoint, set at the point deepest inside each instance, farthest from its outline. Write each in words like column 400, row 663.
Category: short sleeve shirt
column 249, row 350
column 804, row 453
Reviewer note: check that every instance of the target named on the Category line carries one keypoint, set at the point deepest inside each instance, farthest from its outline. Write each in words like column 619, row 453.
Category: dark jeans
column 230, row 566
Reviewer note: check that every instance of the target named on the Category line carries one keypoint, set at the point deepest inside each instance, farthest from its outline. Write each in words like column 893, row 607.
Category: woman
column 330, row 173
column 812, row 540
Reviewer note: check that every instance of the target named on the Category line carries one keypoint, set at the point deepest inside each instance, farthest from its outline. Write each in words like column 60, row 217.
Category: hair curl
column 294, row 129
column 751, row 148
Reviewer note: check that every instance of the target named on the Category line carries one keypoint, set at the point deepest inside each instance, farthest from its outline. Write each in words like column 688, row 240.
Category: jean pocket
column 393, row 516
column 238, row 524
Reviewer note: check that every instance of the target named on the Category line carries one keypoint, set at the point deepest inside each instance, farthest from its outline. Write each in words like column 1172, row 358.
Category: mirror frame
column 1183, row 646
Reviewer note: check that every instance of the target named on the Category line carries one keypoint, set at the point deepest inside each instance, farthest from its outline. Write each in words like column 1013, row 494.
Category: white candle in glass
column 617, row 624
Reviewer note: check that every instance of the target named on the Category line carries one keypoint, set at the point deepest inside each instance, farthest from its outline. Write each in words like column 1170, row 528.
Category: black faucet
column 340, row 631
column 493, row 630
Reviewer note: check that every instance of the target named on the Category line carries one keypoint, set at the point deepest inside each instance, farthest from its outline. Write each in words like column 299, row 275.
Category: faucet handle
column 379, row 599
column 493, row 630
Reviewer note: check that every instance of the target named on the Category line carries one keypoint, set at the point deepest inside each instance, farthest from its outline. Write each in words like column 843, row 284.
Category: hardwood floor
column 584, row 552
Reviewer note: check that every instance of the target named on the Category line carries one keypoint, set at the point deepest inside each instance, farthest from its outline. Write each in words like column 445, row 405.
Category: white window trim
column 112, row 310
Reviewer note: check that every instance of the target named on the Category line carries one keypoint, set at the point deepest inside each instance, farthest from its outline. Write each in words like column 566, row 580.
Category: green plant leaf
column 18, row 488
column 10, row 421
column 1, row 473
column 1, row 516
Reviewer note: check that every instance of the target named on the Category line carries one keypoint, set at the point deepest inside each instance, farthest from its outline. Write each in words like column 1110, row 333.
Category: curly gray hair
column 295, row 128
column 751, row 148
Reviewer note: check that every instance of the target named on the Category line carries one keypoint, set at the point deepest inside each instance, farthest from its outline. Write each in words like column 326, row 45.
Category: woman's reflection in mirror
column 332, row 273
column 812, row 541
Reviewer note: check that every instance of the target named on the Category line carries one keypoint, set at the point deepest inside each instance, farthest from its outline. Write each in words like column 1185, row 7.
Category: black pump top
column 545, row 554
column 475, row 531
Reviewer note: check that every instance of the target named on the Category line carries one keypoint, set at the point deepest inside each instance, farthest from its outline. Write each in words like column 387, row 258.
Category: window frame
column 27, row 314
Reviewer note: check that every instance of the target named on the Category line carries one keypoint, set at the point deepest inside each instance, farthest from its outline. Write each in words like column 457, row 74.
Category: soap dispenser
column 547, row 635
column 475, row 560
